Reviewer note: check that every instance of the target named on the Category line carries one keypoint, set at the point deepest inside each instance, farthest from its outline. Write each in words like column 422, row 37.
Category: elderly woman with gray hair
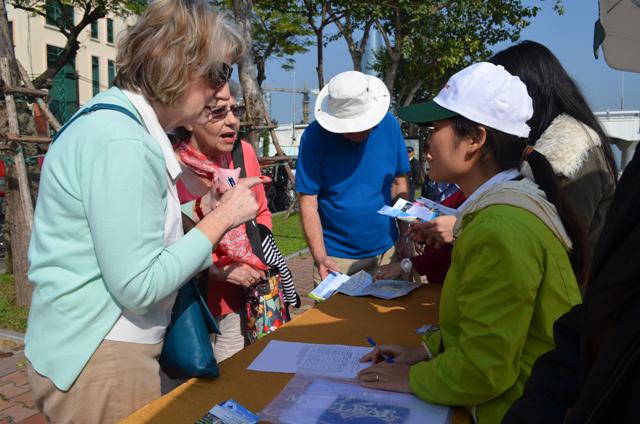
column 211, row 155
column 107, row 253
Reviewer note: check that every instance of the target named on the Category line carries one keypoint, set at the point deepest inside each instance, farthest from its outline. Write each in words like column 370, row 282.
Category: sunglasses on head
column 221, row 112
column 220, row 75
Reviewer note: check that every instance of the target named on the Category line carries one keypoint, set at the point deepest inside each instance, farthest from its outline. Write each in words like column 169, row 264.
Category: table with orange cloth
column 339, row 320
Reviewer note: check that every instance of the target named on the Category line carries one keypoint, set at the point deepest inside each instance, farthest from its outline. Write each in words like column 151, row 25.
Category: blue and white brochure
column 420, row 210
column 328, row 286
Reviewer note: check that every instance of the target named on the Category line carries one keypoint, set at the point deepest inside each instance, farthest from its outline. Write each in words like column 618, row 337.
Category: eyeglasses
column 221, row 112
column 220, row 75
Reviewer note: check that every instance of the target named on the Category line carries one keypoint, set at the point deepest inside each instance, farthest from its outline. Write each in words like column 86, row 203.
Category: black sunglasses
column 220, row 75
column 221, row 112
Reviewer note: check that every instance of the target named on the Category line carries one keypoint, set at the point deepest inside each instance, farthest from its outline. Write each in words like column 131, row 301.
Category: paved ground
column 16, row 404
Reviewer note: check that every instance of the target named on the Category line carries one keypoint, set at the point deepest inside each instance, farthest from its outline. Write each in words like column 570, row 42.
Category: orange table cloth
column 339, row 320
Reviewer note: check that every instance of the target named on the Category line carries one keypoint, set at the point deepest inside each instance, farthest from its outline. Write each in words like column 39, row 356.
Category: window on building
column 59, row 15
column 63, row 93
column 94, row 30
column 109, row 30
column 95, row 74
column 111, row 70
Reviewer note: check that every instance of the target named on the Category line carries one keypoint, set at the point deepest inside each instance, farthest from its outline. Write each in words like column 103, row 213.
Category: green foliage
column 426, row 41
column 86, row 7
column 436, row 38
column 12, row 317
column 277, row 32
column 288, row 233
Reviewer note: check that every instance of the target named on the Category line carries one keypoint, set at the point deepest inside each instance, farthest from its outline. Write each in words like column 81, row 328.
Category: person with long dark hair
column 593, row 373
column 565, row 131
column 510, row 276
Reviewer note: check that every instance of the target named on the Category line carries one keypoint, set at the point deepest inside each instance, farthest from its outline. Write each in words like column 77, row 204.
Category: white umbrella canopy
column 618, row 31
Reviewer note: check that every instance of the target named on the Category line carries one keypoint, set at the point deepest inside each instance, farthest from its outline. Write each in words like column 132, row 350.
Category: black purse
column 187, row 350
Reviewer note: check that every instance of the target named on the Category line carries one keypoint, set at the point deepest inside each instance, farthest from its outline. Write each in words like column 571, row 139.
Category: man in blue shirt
column 352, row 161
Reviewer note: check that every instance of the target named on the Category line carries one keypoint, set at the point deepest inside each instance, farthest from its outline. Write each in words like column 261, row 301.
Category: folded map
column 361, row 284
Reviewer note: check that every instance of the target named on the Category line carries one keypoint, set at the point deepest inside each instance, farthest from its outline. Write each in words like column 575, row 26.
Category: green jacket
column 510, row 279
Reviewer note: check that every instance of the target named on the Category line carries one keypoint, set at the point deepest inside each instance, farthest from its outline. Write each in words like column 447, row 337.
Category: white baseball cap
column 484, row 93
column 352, row 102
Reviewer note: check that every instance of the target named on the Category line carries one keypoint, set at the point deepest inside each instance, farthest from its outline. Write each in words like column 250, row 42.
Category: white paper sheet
column 338, row 361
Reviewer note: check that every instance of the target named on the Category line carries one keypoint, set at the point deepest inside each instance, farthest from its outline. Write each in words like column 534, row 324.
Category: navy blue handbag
column 187, row 350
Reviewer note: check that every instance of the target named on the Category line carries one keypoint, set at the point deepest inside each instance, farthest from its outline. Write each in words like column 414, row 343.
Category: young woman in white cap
column 510, row 276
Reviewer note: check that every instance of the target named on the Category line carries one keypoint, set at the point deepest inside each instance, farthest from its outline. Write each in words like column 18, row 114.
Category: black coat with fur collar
column 576, row 155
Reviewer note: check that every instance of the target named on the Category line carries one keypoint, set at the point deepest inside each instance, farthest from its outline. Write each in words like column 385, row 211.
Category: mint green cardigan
column 97, row 245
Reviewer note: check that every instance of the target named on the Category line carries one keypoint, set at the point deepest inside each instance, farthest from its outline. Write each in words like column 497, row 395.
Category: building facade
column 38, row 41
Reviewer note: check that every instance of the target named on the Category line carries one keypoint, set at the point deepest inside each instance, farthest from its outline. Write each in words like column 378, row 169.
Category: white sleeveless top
column 149, row 328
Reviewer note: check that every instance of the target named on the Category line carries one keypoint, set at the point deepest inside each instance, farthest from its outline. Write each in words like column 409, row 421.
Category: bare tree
column 318, row 18
column 248, row 73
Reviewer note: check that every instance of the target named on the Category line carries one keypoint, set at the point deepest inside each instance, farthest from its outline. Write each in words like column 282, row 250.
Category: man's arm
column 312, row 228
column 399, row 188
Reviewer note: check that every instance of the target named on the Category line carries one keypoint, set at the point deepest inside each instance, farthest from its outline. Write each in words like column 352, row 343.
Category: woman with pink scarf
column 208, row 168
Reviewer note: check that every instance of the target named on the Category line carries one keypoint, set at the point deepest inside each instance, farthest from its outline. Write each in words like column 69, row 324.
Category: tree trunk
column 391, row 72
column 320, row 52
column 356, row 49
column 393, row 50
column 6, row 42
column 248, row 73
column 411, row 94
column 19, row 209
column 262, row 73
column 45, row 79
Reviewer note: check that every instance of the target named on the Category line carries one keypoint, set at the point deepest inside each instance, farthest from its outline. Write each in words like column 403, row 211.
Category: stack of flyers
column 229, row 412
column 438, row 207
column 420, row 210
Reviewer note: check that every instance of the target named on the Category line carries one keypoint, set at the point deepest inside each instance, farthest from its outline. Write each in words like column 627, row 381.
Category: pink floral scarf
column 234, row 246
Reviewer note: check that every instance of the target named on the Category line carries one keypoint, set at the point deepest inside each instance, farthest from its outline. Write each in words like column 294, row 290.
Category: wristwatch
column 406, row 265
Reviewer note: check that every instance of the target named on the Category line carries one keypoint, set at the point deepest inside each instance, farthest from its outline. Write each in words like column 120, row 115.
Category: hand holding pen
column 386, row 357
column 395, row 354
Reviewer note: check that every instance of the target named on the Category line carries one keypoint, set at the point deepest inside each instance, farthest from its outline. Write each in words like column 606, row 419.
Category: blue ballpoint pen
column 387, row 358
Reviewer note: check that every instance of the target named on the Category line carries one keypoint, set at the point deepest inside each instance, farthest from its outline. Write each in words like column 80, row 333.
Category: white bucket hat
column 352, row 102
column 484, row 93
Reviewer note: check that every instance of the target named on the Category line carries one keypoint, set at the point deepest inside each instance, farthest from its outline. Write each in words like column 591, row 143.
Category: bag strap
column 93, row 108
column 252, row 226
column 202, row 278
column 201, row 284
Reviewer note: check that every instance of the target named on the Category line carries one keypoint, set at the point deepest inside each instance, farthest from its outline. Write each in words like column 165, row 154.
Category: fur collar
column 565, row 144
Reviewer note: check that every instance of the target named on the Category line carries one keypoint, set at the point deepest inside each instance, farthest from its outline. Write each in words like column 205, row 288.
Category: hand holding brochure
column 422, row 210
column 361, row 284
